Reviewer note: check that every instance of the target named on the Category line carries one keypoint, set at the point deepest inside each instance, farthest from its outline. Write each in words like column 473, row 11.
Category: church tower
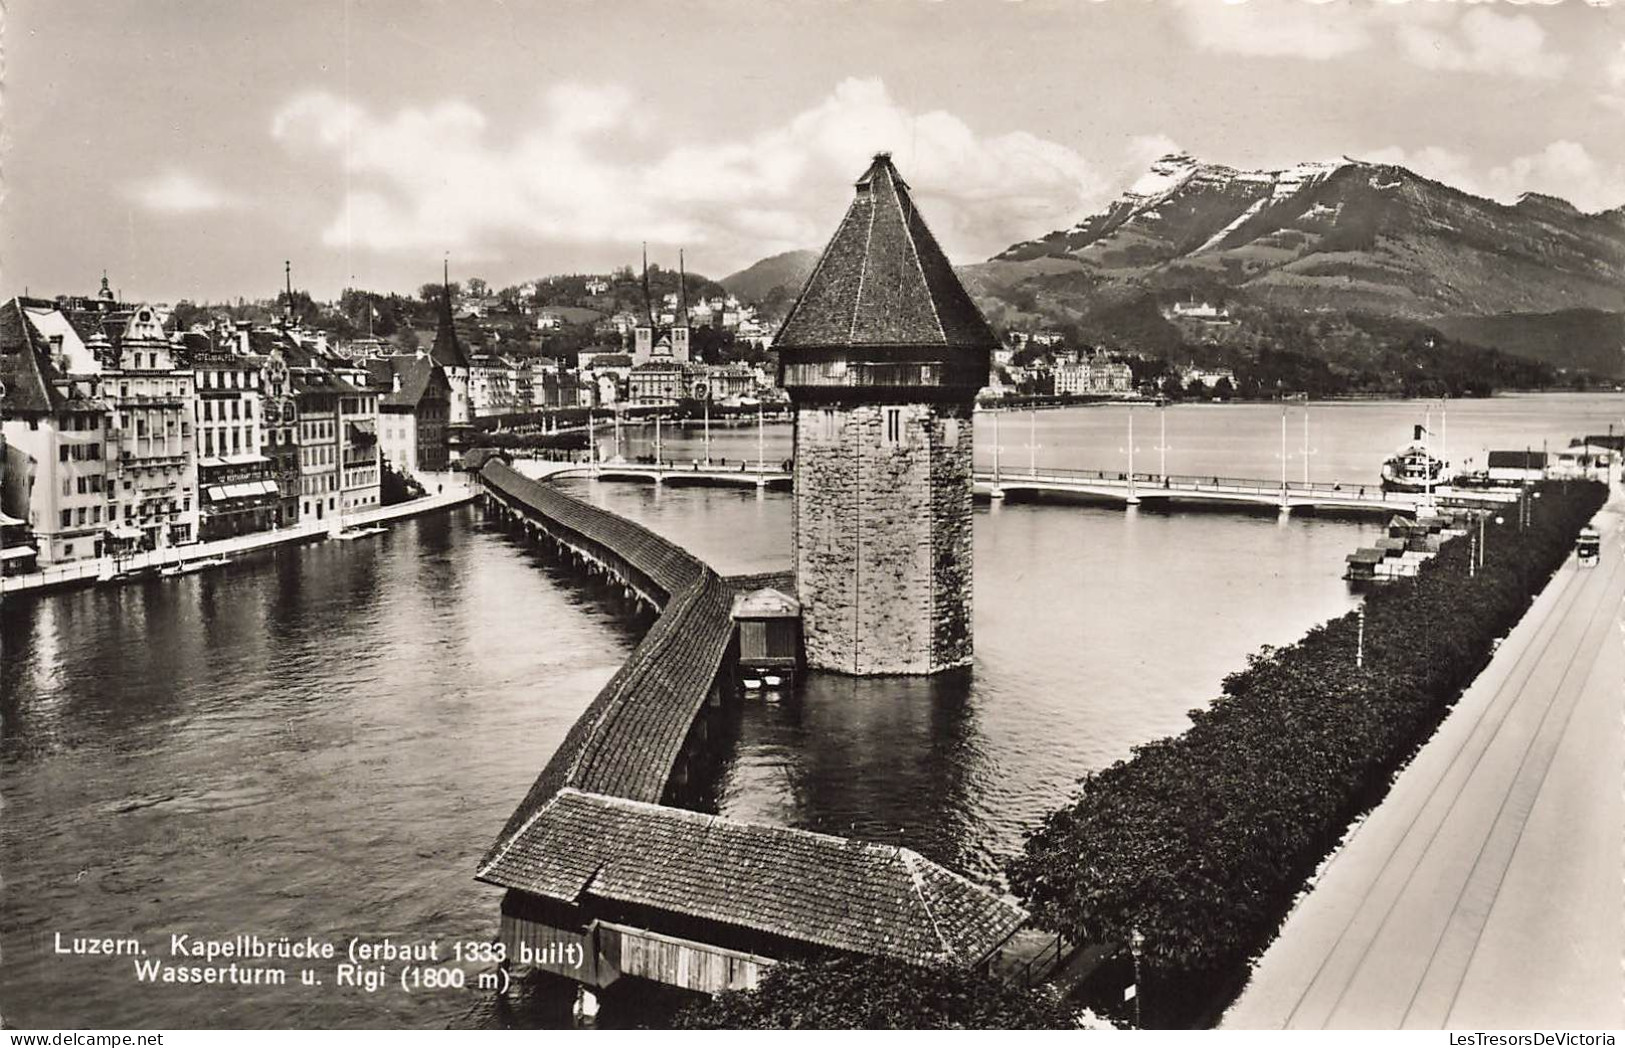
column 448, row 352
column 882, row 355
column 643, row 336
column 679, row 322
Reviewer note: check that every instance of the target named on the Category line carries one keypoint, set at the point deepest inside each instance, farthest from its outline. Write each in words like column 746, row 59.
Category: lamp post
column 761, row 424
column 1283, row 453
column 1162, row 440
column 995, row 414
column 1132, row 497
column 708, row 425
column 1032, row 442
column 1306, row 449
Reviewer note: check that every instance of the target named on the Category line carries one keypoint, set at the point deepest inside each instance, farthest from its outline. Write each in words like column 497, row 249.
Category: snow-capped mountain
column 1344, row 234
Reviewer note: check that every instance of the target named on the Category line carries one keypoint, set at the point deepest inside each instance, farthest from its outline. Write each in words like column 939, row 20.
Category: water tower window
column 894, row 425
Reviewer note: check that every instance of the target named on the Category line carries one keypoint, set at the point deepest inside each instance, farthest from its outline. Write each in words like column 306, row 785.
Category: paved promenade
column 1486, row 890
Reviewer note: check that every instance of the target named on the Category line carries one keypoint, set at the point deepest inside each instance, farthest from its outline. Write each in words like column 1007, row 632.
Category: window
column 894, row 425
column 62, row 453
column 67, row 518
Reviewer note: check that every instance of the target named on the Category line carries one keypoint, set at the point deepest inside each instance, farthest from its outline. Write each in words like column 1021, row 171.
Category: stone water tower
column 882, row 356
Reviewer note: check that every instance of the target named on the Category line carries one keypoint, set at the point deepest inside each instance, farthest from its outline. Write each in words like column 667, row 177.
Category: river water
column 323, row 740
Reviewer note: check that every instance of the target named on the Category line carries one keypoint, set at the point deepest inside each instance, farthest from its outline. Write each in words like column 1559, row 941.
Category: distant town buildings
column 1094, row 374
column 1194, row 310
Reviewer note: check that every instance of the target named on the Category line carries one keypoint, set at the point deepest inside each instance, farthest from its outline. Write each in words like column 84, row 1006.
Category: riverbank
column 1444, row 908
column 92, row 570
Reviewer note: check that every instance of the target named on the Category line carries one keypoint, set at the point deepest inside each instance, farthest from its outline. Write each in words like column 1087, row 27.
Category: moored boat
column 1413, row 467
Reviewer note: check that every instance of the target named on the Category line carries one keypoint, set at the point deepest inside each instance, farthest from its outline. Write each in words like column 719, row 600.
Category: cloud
column 1290, row 28
column 1431, row 35
column 1613, row 95
column 177, row 192
column 1483, row 42
column 427, row 179
column 1563, row 169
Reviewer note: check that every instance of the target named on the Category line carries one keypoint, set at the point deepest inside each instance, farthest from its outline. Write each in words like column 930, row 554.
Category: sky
column 189, row 147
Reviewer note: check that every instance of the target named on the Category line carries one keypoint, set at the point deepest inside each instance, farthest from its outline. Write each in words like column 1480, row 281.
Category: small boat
column 1413, row 468
column 358, row 533
column 190, row 567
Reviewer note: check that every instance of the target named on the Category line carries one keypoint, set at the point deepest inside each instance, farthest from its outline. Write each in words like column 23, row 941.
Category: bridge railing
column 748, row 466
column 1203, row 482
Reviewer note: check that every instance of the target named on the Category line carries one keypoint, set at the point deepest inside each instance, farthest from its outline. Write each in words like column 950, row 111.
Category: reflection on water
column 322, row 740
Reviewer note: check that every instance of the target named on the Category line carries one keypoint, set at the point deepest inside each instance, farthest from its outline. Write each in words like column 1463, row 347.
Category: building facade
column 882, row 356
column 237, row 489
column 153, row 469
column 414, row 408
column 58, row 445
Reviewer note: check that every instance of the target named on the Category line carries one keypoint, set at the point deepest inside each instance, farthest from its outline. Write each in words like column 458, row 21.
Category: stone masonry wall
column 883, row 537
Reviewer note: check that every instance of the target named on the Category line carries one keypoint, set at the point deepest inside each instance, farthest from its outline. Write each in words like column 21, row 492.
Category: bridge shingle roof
column 817, row 889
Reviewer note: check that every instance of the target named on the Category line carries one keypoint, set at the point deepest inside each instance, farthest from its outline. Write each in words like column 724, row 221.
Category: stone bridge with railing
column 607, row 876
column 711, row 474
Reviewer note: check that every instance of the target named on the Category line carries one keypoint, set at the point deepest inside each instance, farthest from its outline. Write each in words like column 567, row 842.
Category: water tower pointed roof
column 883, row 280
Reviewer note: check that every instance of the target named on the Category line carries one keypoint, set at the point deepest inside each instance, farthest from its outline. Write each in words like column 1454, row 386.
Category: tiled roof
column 630, row 736
column 590, row 826
column 883, row 281
column 661, row 561
column 810, row 887
column 1516, row 460
column 416, row 374
column 23, row 366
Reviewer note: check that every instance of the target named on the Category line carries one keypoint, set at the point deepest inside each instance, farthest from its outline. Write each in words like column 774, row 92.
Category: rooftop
column 883, row 281
column 869, row 898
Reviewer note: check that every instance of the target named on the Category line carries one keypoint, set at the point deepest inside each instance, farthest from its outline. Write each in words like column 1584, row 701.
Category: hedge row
column 1201, row 842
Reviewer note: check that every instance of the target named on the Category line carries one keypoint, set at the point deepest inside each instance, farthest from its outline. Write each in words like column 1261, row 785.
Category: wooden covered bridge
column 607, row 878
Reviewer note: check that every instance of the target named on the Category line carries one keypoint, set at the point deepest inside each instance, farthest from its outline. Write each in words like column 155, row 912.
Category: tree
column 431, row 292
column 406, row 339
column 868, row 993
column 1224, row 389
column 477, row 287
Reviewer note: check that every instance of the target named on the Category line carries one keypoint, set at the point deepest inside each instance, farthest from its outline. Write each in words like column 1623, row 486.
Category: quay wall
column 88, row 570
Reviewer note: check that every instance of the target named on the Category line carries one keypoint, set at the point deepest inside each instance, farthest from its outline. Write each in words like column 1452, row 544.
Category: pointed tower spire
column 448, row 350
column 648, row 307
column 682, row 291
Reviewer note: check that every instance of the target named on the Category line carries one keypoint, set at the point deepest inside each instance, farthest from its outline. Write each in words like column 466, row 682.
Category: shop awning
column 15, row 552
column 8, row 521
column 246, row 490
column 127, row 532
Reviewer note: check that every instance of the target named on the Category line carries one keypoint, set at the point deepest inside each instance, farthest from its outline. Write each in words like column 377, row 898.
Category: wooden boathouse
column 607, row 878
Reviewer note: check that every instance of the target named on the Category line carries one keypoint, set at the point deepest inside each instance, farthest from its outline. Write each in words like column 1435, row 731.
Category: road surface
column 1487, row 891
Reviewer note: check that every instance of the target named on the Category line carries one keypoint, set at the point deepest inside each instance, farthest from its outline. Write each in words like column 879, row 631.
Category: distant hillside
column 1346, row 235
column 1585, row 339
column 1337, row 241
column 774, row 279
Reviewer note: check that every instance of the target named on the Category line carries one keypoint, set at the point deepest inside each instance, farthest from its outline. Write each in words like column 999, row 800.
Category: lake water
column 323, row 740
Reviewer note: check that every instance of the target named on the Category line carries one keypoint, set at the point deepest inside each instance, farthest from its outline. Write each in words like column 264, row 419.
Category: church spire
column 648, row 306
column 681, row 320
column 448, row 349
